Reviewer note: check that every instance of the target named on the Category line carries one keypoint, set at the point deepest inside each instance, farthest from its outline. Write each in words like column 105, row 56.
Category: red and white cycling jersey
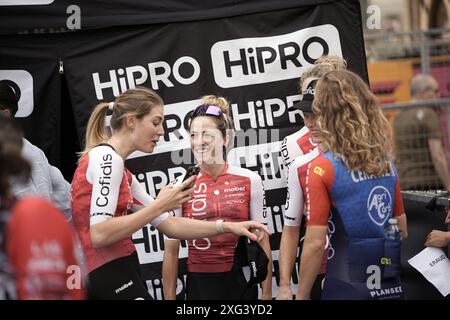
column 237, row 194
column 297, row 188
column 298, row 194
column 103, row 188
column 42, row 252
column 295, row 145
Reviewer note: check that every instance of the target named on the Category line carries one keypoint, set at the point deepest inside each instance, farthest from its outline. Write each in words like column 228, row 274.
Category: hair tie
column 109, row 115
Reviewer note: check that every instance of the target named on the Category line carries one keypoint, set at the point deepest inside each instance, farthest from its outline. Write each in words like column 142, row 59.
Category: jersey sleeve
column 142, row 199
column 398, row 201
column 105, row 173
column 293, row 210
column 290, row 150
column 319, row 182
column 258, row 210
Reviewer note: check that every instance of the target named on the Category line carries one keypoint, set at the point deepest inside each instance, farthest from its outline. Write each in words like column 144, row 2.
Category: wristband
column 219, row 226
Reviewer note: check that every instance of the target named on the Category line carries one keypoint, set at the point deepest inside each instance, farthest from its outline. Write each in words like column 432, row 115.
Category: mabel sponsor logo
column 235, row 189
column 126, row 285
column 246, row 61
column 22, row 83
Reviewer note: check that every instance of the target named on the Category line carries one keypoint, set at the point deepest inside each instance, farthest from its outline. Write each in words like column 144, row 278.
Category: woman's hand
column 251, row 229
column 171, row 197
column 447, row 219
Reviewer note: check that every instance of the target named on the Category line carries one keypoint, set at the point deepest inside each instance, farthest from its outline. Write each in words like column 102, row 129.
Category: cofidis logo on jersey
column 246, row 61
column 379, row 205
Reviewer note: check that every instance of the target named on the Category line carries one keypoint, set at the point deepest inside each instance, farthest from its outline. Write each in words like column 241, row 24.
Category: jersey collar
column 225, row 168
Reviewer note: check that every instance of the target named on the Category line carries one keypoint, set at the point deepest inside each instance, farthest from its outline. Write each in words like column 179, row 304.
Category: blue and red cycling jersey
column 361, row 205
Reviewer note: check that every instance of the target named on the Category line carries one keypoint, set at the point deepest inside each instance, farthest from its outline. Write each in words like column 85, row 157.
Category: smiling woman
column 104, row 192
column 221, row 193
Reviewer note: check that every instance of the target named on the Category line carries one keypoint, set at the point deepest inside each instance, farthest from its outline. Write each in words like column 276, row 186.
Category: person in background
column 294, row 208
column 38, row 248
column 421, row 159
column 301, row 141
column 45, row 180
column 104, row 192
column 355, row 183
column 221, row 191
column 438, row 238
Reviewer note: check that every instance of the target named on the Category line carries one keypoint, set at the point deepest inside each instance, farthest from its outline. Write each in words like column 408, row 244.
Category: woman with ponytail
column 221, row 192
column 104, row 192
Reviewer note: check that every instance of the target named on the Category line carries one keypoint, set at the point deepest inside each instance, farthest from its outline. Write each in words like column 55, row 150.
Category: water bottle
column 391, row 230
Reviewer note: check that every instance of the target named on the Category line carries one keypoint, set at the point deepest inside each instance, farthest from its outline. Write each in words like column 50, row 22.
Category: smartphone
column 191, row 171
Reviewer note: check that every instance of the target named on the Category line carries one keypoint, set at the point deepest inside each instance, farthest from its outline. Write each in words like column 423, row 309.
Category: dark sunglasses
column 207, row 109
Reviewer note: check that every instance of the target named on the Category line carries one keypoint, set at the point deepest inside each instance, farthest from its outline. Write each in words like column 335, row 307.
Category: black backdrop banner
column 35, row 76
column 253, row 59
column 48, row 16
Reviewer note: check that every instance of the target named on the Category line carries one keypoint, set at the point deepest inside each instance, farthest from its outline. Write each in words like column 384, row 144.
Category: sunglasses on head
column 207, row 109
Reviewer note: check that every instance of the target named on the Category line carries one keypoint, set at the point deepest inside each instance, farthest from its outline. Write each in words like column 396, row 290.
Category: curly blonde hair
column 352, row 125
column 321, row 66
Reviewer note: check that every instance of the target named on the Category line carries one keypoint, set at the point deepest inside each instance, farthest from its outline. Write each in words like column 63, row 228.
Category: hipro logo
column 247, row 61
column 21, row 82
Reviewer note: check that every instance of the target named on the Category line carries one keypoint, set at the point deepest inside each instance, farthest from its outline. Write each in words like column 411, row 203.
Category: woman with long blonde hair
column 356, row 179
